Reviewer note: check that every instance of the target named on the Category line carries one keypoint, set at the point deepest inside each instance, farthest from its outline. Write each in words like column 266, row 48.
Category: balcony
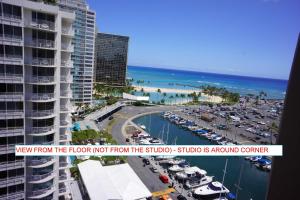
column 40, row 24
column 41, row 113
column 41, row 61
column 41, row 96
column 61, row 137
column 41, row 79
column 11, row 131
column 67, row 47
column 43, row 143
column 67, row 63
column 63, row 177
column 11, row 59
column 12, row 164
column 42, row 177
column 67, row 31
column 66, row 94
column 64, row 123
column 8, row 147
column 10, row 19
column 13, row 196
column 66, row 79
column 8, row 39
column 65, row 108
column 12, row 78
column 6, row 96
column 40, row 43
column 12, row 180
column 6, row 114
column 39, row 131
column 42, row 162
column 40, row 193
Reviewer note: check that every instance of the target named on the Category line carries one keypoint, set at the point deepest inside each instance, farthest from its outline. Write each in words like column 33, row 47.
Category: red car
column 164, row 178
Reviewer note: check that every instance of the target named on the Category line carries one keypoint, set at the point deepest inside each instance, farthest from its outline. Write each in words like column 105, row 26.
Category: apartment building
column 83, row 56
column 111, row 59
column 35, row 93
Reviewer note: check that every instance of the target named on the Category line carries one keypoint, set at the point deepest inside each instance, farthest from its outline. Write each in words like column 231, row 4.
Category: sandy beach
column 213, row 99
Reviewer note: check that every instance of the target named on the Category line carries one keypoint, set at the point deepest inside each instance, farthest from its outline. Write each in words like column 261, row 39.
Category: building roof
column 111, row 182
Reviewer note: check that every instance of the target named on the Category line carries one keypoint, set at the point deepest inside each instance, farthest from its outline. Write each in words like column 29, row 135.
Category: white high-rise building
column 35, row 93
column 84, row 42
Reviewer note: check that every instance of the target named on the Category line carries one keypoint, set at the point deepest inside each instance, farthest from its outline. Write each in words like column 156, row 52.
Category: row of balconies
column 12, row 164
column 11, row 78
column 40, row 43
column 12, row 180
column 5, row 114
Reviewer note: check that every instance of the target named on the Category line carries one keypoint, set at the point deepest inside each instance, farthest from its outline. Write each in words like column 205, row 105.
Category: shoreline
column 208, row 98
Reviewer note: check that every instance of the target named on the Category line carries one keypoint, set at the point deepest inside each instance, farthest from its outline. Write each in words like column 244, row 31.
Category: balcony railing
column 44, row 160
column 62, row 190
column 13, row 196
column 11, row 113
column 43, row 143
column 68, row 79
column 66, row 94
column 9, row 37
column 8, row 164
column 8, row 147
column 63, row 177
column 64, row 122
column 11, row 17
column 11, row 95
column 63, row 137
column 41, row 24
column 42, row 113
column 66, row 63
column 41, row 177
column 67, row 47
column 11, row 131
column 41, row 191
column 67, row 31
column 12, row 180
column 42, row 61
column 42, row 96
column 42, row 79
column 41, row 43
column 11, row 77
column 11, row 56
column 45, row 129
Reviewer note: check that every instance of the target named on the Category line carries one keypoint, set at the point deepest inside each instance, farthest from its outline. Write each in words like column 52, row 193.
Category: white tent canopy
column 112, row 182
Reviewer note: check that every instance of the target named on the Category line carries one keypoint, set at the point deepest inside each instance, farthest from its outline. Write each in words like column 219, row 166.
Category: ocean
column 170, row 78
column 253, row 182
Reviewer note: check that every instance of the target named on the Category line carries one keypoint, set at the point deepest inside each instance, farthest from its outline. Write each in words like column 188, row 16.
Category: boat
column 198, row 181
column 176, row 161
column 217, row 138
column 190, row 172
column 178, row 168
column 255, row 158
column 142, row 126
column 213, row 190
column 164, row 157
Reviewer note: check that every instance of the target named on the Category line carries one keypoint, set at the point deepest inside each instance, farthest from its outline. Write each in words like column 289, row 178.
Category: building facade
column 83, row 56
column 111, row 59
column 35, row 93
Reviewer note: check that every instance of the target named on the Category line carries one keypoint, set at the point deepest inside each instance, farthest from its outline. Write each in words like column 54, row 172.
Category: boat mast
column 239, row 181
column 225, row 168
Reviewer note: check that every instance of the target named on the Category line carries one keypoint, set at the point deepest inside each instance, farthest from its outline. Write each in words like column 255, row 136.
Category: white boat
column 217, row 138
column 176, row 161
column 164, row 157
column 211, row 191
column 142, row 126
column 190, row 172
column 198, row 182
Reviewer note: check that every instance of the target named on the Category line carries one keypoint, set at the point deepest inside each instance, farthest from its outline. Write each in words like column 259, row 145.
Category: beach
column 208, row 98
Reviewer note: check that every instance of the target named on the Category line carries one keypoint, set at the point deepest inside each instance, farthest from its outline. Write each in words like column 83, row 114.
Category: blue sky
column 243, row 37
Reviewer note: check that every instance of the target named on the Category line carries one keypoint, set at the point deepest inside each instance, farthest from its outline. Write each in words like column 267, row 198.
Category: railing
column 11, row 95
column 15, row 179
column 11, row 16
column 67, row 47
column 64, row 122
column 62, row 190
column 40, row 43
column 63, row 137
column 40, row 177
column 16, row 163
column 45, row 129
column 67, row 63
column 12, row 56
column 13, row 196
column 66, row 78
column 41, row 191
column 42, row 61
column 11, row 130
column 42, row 79
column 64, row 108
column 63, row 164
column 11, row 112
column 66, row 94
column 11, row 77
column 34, row 162
column 43, row 143
column 42, row 113
column 8, row 147
column 63, row 177
column 41, row 24
column 67, row 31
column 10, row 37
column 42, row 96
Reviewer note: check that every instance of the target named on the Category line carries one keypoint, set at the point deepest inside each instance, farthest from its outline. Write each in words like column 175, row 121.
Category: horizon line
column 192, row 70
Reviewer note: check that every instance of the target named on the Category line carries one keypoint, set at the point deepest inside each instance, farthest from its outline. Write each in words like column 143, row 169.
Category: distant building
column 111, row 59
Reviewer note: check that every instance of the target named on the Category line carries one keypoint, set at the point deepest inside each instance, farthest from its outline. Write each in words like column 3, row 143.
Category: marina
column 253, row 182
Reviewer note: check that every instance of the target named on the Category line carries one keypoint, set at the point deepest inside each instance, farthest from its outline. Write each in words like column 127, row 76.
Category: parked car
column 110, row 118
column 164, row 178
column 146, row 161
column 181, row 197
column 154, row 169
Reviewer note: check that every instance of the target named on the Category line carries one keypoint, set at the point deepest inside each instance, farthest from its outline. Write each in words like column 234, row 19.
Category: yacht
column 211, row 191
column 176, row 161
column 198, row 181
column 180, row 167
column 190, row 172
column 142, row 126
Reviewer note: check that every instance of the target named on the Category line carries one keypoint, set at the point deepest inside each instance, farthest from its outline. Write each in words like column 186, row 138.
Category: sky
column 240, row 37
